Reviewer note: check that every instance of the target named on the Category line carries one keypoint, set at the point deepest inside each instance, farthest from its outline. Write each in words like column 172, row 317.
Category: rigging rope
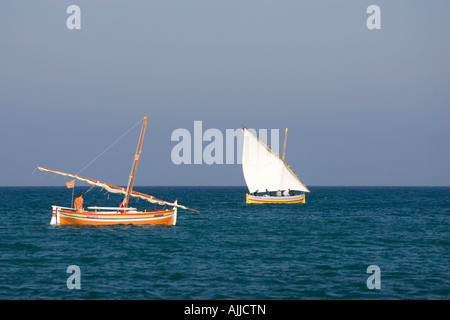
column 109, row 147
column 89, row 189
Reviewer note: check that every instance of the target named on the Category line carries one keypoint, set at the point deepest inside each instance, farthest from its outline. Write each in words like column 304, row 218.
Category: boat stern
column 175, row 210
column 55, row 216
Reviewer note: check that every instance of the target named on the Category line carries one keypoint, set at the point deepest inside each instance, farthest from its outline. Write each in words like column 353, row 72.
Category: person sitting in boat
column 78, row 203
column 255, row 193
column 267, row 193
column 121, row 205
column 287, row 193
column 279, row 193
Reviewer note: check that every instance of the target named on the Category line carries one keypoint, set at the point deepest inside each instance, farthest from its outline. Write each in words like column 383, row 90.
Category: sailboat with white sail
column 116, row 215
column 268, row 176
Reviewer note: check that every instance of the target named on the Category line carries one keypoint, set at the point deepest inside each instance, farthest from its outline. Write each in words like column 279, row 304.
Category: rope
column 109, row 147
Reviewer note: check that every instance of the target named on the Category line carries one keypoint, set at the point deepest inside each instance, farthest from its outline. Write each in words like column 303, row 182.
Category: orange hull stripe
column 164, row 217
column 93, row 214
column 74, row 221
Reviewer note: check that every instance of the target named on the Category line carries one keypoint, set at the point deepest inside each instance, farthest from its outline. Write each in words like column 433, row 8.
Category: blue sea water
column 232, row 250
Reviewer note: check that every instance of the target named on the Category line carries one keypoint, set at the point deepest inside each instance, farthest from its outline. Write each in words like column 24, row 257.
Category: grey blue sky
column 363, row 107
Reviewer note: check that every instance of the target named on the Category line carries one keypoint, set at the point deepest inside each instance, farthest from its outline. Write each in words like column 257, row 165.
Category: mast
column 284, row 147
column 136, row 159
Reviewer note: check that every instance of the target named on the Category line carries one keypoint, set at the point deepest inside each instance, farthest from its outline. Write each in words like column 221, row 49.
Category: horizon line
column 63, row 186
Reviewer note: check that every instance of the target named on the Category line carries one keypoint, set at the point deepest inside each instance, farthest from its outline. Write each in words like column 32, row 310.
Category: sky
column 363, row 107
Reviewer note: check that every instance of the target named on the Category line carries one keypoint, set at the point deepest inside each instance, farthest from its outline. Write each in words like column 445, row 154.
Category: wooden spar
column 110, row 186
column 284, row 147
column 136, row 159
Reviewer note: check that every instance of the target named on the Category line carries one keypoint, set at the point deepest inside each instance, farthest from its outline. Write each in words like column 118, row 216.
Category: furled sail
column 265, row 169
column 115, row 189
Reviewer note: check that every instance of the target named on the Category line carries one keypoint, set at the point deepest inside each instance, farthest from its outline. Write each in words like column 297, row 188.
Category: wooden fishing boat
column 116, row 215
column 300, row 198
column 107, row 215
column 265, row 171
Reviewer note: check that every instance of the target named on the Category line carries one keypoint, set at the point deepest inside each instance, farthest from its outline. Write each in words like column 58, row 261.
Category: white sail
column 264, row 169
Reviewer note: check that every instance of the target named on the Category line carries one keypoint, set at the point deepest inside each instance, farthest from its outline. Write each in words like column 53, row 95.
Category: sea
column 344, row 243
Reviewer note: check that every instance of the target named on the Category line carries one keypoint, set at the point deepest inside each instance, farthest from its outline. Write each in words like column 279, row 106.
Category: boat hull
column 156, row 217
column 270, row 199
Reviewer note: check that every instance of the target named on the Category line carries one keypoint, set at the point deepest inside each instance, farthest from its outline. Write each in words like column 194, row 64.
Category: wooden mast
column 136, row 159
column 284, row 147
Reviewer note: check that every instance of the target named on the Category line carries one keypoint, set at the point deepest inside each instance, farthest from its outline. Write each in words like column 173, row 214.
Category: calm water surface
column 232, row 250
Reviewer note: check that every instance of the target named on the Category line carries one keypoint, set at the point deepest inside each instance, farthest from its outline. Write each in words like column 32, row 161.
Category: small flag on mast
column 70, row 184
